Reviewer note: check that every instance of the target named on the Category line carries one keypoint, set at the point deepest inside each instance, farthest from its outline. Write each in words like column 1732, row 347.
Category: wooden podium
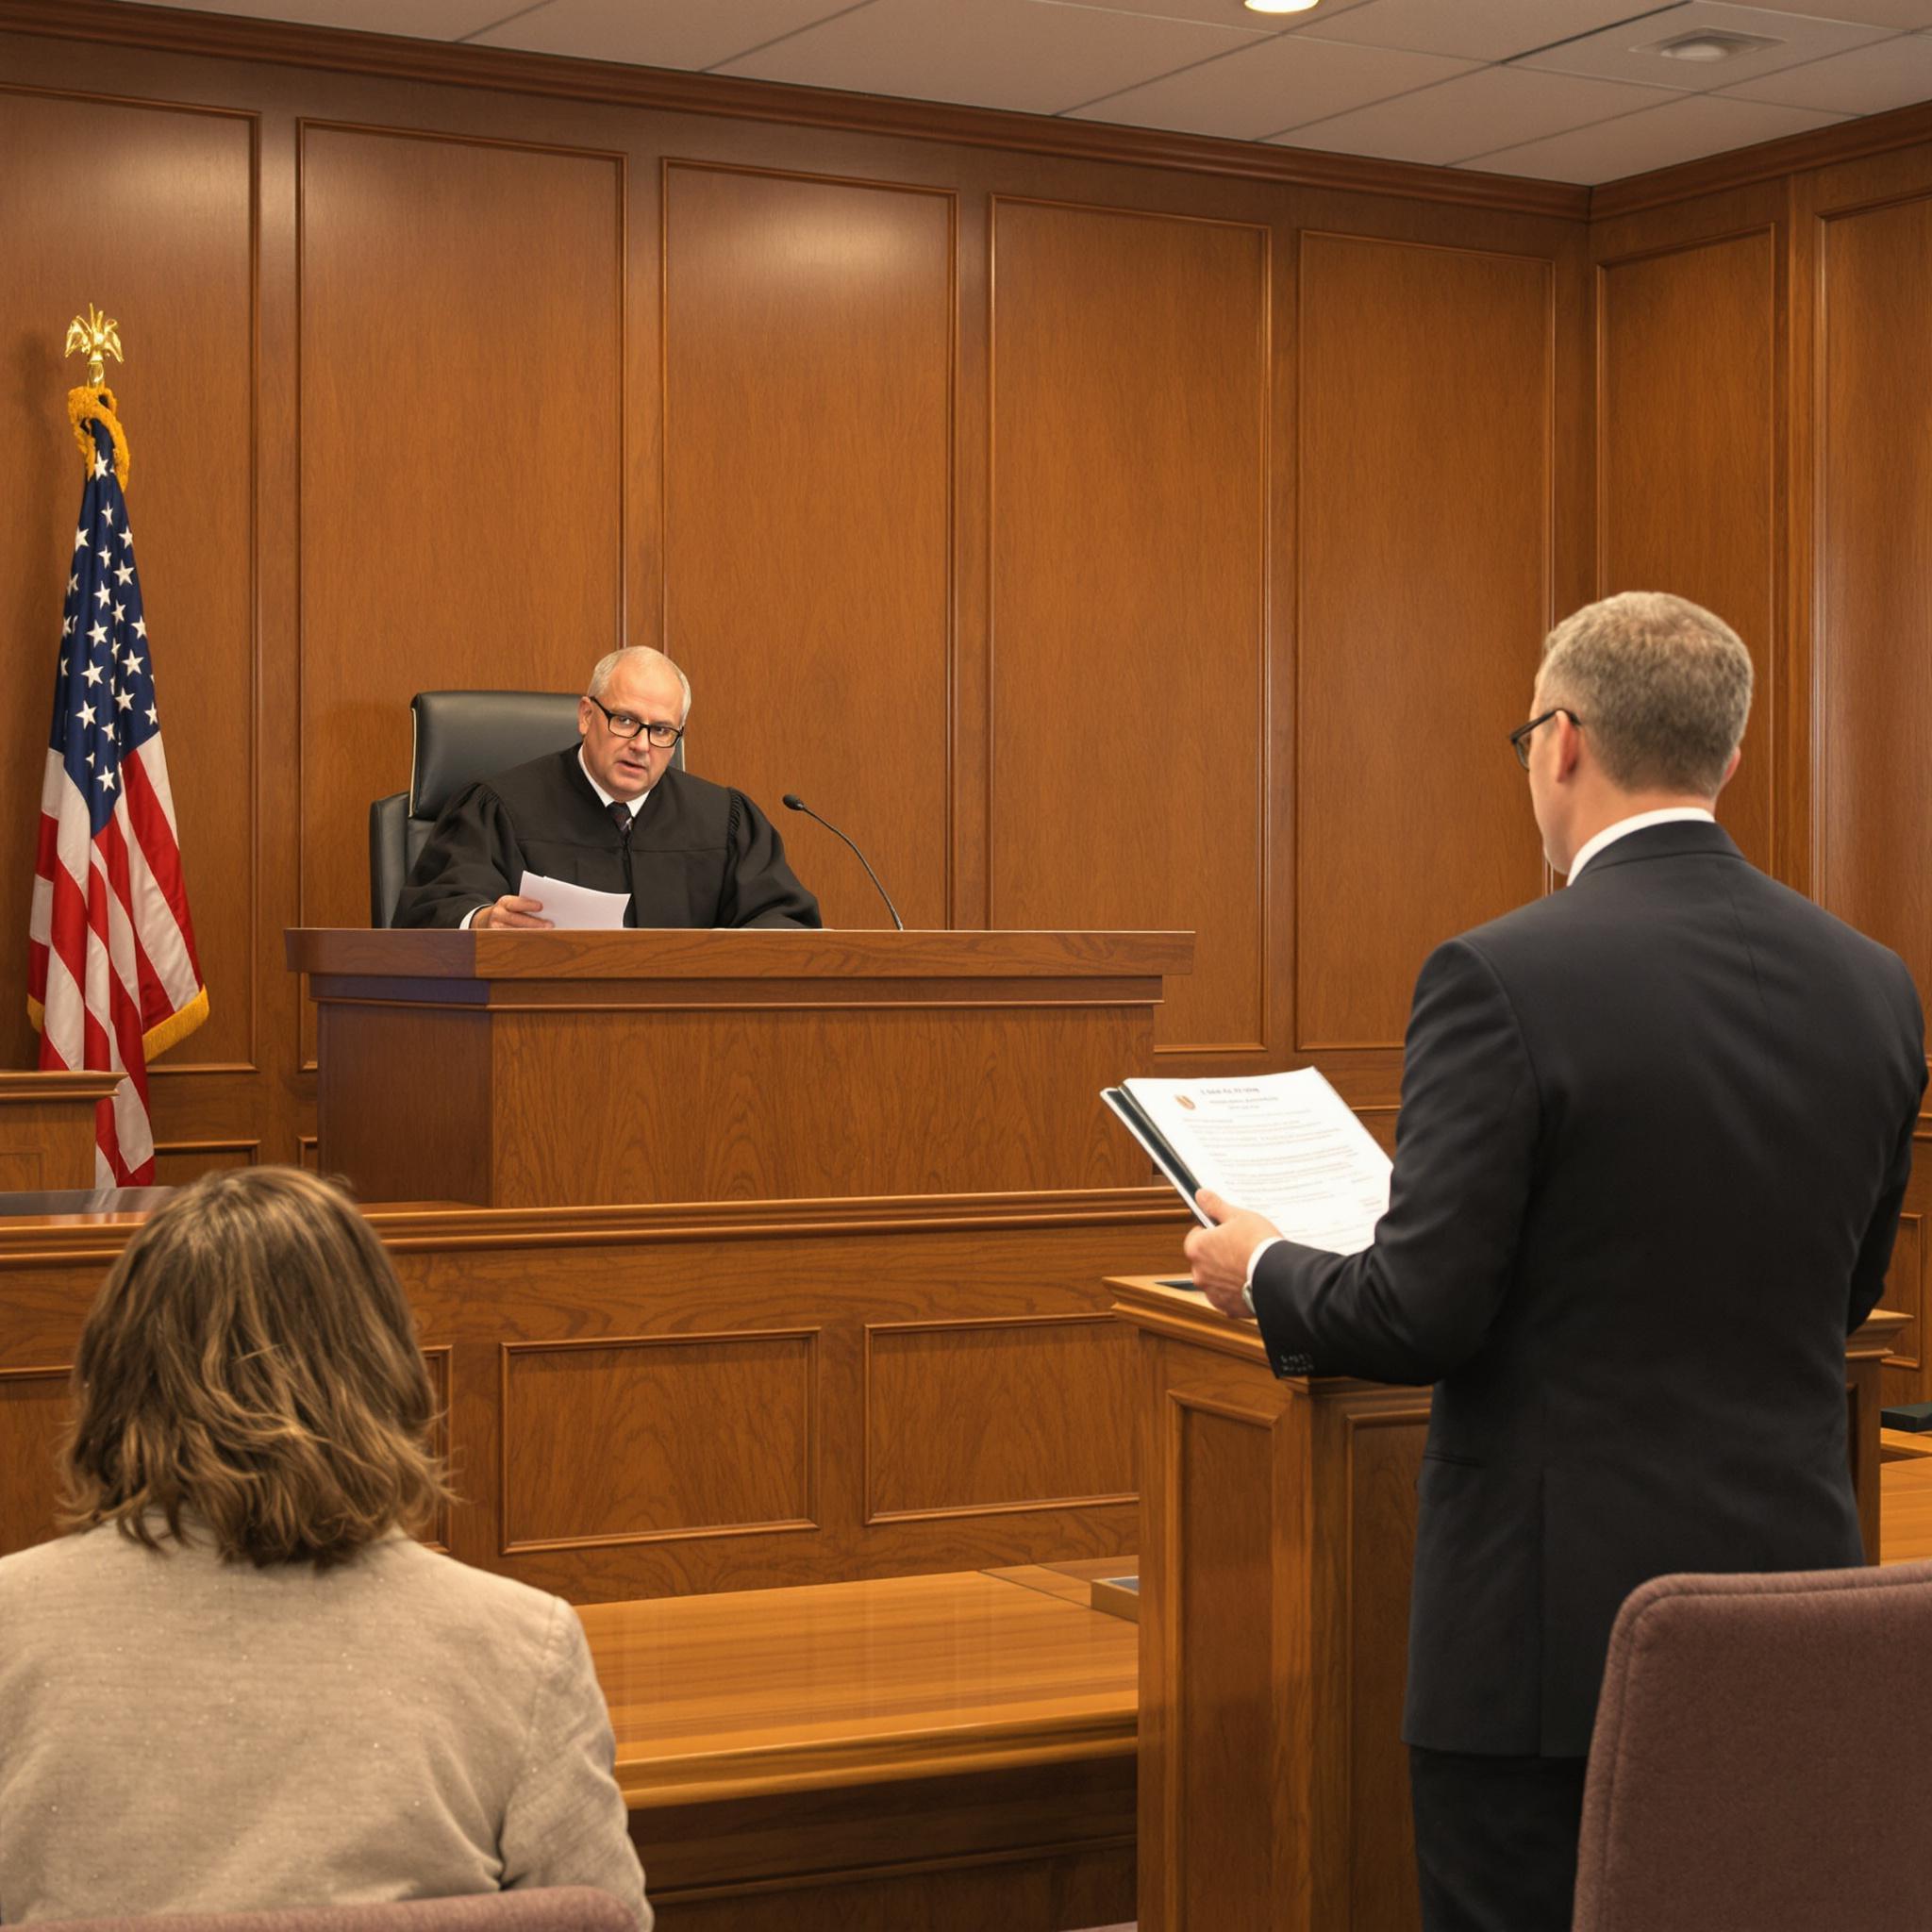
column 547, row 1068
column 47, row 1129
column 1277, row 1531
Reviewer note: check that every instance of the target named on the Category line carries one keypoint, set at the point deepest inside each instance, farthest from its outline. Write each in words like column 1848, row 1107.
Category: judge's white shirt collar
column 1671, row 815
column 608, row 799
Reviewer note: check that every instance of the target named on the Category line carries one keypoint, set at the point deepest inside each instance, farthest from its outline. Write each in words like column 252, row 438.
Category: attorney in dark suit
column 1656, row 1130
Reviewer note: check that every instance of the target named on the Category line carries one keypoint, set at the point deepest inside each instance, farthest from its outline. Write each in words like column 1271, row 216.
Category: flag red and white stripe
column 112, row 973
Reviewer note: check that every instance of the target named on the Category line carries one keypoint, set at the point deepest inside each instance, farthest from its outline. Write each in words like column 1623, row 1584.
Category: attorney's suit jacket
column 1655, row 1133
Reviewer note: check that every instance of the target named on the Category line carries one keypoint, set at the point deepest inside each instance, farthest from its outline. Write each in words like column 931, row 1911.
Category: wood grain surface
column 1690, row 478
column 1130, row 374
column 809, row 411
column 47, row 1128
column 732, row 1084
column 1427, row 579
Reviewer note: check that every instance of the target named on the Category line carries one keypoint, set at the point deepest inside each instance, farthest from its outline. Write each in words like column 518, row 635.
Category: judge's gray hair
column 607, row 669
column 1661, row 687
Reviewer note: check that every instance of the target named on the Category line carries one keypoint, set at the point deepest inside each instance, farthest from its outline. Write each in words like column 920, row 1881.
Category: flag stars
column 120, row 612
column 92, row 674
column 123, row 701
column 73, row 583
column 100, row 466
column 106, row 778
column 124, row 574
column 103, row 596
column 132, row 664
column 86, row 714
column 108, row 514
column 80, row 538
column 107, row 558
column 141, row 628
column 154, row 717
column 107, row 729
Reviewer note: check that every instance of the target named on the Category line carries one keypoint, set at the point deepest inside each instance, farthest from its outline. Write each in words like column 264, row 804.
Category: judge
column 611, row 814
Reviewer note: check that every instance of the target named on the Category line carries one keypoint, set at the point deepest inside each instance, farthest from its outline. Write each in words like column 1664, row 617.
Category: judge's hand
column 1218, row 1254
column 525, row 914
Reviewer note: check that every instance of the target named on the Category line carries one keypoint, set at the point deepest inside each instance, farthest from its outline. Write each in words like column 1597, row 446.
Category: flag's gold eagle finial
column 94, row 335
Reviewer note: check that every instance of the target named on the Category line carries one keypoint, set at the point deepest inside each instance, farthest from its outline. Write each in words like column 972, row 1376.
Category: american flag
column 112, row 976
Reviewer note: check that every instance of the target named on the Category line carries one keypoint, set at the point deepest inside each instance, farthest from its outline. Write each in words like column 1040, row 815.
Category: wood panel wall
column 1116, row 542
column 1105, row 529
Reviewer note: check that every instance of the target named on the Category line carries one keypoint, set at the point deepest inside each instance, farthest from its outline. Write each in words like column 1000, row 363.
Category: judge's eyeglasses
column 624, row 725
column 1519, row 738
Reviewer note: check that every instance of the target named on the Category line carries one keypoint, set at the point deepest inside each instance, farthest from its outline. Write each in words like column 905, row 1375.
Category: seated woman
column 239, row 1682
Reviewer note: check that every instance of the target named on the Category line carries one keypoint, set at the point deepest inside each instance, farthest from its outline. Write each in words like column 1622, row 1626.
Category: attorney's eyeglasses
column 623, row 725
column 1519, row 738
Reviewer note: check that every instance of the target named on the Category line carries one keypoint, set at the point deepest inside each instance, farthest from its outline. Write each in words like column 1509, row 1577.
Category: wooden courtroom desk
column 948, row 1752
column 651, row 1400
column 47, row 1128
column 546, row 1068
column 1278, row 1533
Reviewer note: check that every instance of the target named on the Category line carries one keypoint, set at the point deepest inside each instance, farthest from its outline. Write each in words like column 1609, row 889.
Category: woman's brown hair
column 250, row 1361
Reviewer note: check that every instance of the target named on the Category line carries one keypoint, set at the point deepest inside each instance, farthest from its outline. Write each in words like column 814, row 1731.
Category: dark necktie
column 620, row 817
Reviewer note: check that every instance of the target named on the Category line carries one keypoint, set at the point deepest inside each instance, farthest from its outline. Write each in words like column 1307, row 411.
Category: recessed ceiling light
column 1279, row 6
column 1704, row 47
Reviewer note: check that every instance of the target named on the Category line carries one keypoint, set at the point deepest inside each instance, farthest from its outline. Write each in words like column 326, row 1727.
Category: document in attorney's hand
column 575, row 909
column 1286, row 1145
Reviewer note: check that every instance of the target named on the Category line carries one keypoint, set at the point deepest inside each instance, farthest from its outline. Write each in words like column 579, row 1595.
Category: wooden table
column 941, row 1751
column 1906, row 1509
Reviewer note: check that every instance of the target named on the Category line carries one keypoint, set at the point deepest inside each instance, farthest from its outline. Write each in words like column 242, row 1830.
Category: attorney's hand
column 1218, row 1254
column 525, row 914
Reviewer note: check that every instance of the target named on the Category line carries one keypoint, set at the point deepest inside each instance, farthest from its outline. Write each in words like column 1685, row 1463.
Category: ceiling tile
column 1622, row 53
column 654, row 33
column 1215, row 12
column 1868, row 81
column 986, row 53
column 420, row 19
column 1280, row 83
column 1478, row 29
column 1683, row 129
column 1903, row 14
column 1488, row 108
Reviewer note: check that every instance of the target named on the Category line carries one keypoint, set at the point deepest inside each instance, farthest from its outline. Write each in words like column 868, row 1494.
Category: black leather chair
column 461, row 736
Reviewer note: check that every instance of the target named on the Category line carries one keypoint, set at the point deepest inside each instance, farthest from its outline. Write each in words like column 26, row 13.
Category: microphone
column 794, row 803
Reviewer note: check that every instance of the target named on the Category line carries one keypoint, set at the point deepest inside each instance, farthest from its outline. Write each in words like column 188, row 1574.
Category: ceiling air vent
column 1705, row 48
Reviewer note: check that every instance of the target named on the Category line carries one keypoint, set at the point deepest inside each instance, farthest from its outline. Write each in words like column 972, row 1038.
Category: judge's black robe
column 700, row 855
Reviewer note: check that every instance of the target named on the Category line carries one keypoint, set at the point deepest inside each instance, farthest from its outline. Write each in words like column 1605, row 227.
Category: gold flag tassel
column 97, row 335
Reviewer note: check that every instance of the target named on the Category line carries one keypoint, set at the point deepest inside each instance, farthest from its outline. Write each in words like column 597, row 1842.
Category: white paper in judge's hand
column 1286, row 1145
column 575, row 909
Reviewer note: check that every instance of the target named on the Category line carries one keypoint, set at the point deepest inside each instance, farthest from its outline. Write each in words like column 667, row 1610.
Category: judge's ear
column 586, row 711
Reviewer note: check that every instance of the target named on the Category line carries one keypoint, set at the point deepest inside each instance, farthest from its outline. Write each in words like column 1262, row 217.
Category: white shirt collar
column 605, row 798
column 1671, row 815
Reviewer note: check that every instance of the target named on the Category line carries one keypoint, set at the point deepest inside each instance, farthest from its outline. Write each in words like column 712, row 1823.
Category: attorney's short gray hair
column 1661, row 687
column 607, row 669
